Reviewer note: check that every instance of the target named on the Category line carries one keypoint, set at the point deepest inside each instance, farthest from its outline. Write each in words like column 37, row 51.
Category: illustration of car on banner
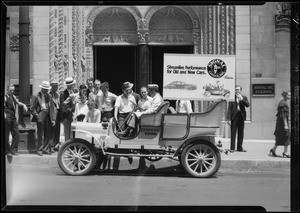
column 216, row 89
column 186, row 138
column 180, row 85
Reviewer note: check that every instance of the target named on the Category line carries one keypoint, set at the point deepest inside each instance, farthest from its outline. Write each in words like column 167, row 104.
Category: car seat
column 154, row 119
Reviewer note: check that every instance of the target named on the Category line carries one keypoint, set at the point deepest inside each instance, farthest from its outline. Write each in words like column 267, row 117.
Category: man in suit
column 236, row 117
column 55, row 130
column 43, row 112
column 11, row 124
column 67, row 115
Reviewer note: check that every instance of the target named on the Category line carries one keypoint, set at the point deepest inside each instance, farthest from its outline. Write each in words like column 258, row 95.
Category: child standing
column 81, row 108
column 93, row 115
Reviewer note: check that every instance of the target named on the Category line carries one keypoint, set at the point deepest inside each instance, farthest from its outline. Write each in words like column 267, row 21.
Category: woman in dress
column 282, row 130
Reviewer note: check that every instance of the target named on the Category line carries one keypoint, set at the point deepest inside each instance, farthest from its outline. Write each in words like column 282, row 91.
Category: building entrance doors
column 115, row 65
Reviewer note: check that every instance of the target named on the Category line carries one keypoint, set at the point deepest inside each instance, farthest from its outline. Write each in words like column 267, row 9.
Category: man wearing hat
column 10, row 105
column 67, row 115
column 55, row 130
column 42, row 110
column 157, row 100
column 124, row 103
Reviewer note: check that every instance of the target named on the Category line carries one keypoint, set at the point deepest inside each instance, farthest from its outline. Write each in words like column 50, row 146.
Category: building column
column 24, row 74
column 143, row 65
column 143, row 69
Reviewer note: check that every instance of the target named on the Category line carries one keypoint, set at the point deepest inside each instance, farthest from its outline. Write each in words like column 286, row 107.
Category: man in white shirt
column 146, row 101
column 125, row 104
column 95, row 95
column 106, row 102
column 157, row 100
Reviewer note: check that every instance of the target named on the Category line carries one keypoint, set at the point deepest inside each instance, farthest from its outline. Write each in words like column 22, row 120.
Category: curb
column 227, row 165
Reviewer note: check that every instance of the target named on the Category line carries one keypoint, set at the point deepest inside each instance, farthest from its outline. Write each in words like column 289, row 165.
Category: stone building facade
column 63, row 42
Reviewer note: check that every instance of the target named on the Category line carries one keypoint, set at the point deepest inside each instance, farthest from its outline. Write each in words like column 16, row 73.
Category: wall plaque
column 263, row 89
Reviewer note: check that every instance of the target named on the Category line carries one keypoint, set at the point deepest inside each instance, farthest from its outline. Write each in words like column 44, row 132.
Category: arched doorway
column 172, row 29
column 114, row 51
column 127, row 47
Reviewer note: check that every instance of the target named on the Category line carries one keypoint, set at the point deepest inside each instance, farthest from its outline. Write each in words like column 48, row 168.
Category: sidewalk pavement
column 256, row 158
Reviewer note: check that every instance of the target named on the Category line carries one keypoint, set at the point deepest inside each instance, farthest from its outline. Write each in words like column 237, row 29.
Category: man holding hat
column 67, row 111
column 42, row 110
column 55, row 130
column 11, row 124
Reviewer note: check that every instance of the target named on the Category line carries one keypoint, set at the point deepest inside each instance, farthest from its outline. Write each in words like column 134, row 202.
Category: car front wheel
column 201, row 159
column 76, row 157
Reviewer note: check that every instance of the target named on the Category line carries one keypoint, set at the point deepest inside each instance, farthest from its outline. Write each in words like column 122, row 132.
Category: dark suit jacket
column 56, row 102
column 64, row 95
column 232, row 108
column 10, row 105
column 136, row 96
column 64, row 112
column 35, row 107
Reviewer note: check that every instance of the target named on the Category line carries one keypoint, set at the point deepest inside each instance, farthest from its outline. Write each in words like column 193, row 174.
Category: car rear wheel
column 201, row 159
column 76, row 157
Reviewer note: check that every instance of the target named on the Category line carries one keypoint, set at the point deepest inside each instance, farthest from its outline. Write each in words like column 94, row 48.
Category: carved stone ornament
column 113, row 39
column 196, row 37
column 171, row 38
column 143, row 24
column 143, row 37
column 89, row 38
column 282, row 20
column 14, row 43
column 284, row 16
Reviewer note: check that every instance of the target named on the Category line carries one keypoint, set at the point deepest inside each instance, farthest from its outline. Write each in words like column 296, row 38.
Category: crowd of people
column 94, row 103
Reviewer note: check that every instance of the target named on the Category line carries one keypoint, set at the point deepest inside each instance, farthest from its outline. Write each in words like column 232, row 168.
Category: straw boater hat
column 152, row 86
column 127, row 85
column 70, row 81
column 45, row 85
column 54, row 82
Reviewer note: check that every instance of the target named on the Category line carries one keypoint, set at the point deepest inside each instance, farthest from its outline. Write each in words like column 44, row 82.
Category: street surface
column 27, row 185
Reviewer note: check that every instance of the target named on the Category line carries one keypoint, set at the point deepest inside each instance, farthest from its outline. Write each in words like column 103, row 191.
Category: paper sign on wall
column 198, row 77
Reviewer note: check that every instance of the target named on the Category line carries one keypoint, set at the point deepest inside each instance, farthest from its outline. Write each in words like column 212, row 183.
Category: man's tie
column 12, row 100
column 46, row 98
column 238, row 106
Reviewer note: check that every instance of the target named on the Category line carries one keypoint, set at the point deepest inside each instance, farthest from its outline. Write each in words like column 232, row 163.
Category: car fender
column 93, row 138
column 193, row 140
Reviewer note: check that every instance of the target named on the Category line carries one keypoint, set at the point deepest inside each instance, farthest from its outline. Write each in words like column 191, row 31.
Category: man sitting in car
column 157, row 100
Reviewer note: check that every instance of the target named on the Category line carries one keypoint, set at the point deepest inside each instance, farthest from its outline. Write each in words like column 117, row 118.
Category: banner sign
column 263, row 89
column 198, row 77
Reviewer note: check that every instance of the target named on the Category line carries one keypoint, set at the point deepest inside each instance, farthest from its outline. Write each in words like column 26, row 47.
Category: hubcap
column 201, row 159
column 76, row 158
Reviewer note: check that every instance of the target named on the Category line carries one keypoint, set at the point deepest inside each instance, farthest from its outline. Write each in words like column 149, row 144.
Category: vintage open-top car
column 189, row 138
column 216, row 90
